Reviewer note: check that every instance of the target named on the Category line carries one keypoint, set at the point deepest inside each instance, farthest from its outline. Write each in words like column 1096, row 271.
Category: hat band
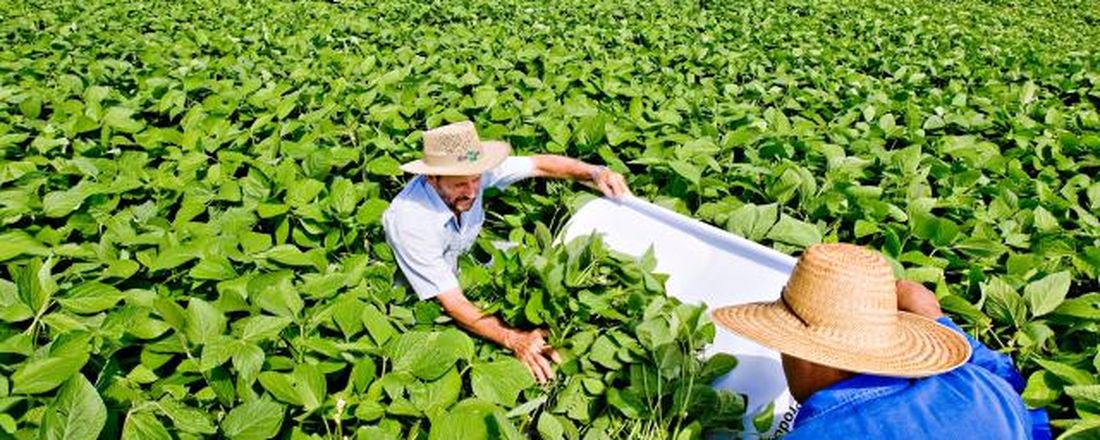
column 463, row 157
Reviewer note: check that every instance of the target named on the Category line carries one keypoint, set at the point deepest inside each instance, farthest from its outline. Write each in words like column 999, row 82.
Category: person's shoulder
column 411, row 208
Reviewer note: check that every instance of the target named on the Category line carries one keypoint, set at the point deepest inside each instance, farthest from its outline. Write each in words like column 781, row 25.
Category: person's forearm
column 561, row 167
column 473, row 319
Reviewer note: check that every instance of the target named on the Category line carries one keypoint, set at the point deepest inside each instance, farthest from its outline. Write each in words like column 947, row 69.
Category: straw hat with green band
column 839, row 309
column 456, row 150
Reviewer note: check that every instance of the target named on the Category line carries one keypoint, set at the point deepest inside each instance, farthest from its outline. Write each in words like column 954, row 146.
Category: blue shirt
column 427, row 238
column 980, row 399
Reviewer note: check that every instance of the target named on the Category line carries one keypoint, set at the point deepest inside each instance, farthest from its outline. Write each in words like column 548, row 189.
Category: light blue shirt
column 425, row 236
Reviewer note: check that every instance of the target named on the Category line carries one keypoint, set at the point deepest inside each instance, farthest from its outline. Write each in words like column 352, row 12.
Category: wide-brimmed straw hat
column 840, row 309
column 455, row 150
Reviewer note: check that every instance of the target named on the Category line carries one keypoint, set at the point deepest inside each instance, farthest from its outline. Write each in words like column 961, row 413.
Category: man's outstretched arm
column 529, row 347
column 612, row 184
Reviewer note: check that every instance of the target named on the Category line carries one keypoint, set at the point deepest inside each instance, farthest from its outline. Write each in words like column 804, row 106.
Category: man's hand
column 612, row 184
column 531, row 349
column 914, row 298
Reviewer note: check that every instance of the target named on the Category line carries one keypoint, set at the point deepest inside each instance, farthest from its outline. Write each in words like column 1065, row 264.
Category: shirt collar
column 859, row 388
column 441, row 211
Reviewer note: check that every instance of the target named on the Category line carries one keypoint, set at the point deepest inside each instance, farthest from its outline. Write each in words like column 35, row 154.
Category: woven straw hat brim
column 923, row 346
column 492, row 154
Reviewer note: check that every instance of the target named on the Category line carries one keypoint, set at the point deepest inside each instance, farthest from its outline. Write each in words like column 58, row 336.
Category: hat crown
column 846, row 291
column 457, row 142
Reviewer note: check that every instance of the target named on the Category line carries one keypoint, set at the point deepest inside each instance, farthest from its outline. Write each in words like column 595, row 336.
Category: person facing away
column 867, row 356
column 438, row 215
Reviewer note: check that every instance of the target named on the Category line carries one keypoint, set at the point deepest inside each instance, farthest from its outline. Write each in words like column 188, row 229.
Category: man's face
column 458, row 192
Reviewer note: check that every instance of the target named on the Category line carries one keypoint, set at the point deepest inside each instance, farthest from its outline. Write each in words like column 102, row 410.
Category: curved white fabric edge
column 705, row 264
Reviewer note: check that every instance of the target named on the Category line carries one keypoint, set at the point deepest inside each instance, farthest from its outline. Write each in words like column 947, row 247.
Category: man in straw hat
column 871, row 357
column 439, row 214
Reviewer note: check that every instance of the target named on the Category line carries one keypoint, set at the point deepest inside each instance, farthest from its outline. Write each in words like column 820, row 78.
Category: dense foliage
column 190, row 195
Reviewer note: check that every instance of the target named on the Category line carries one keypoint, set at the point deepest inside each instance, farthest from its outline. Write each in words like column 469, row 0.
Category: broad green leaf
column 371, row 212
column 1002, row 303
column 796, row 232
column 144, row 426
column 550, row 428
column 204, row 322
column 41, row 375
column 1044, row 295
column 468, row 420
column 385, row 166
column 281, row 386
column 686, row 170
column 309, row 383
column 12, row 308
column 423, row 354
column 438, row 394
column 753, row 222
column 377, row 325
column 17, row 243
column 256, row 420
column 213, row 268
column 77, row 413
column 1042, row 389
column 1086, row 400
column 261, row 327
column 626, row 402
column 500, row 382
column 1068, row 374
column 91, row 297
column 185, row 418
column 248, row 360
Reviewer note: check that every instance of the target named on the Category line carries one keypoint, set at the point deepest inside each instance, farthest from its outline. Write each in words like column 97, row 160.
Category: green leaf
column 262, row 327
column 371, row 212
column 428, row 355
column 470, row 419
column 385, row 166
column 654, row 333
column 185, row 418
column 1086, row 400
column 256, row 420
column 689, row 172
column 204, row 322
column 62, row 203
column 121, row 119
column 377, row 325
column 438, row 394
column 1042, row 389
column 1002, row 303
column 1068, row 374
column 1044, row 295
column 626, row 402
column 213, row 268
column 18, row 243
column 500, row 382
column 41, row 375
column 1082, row 430
column 281, row 386
column 310, row 385
column 275, row 293
column 77, row 413
column 550, row 428
column 91, row 297
column 144, row 426
column 796, row 232
column 248, row 361
column 753, row 222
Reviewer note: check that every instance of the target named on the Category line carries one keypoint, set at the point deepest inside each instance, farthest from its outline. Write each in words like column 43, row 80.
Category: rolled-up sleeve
column 512, row 170
column 419, row 254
